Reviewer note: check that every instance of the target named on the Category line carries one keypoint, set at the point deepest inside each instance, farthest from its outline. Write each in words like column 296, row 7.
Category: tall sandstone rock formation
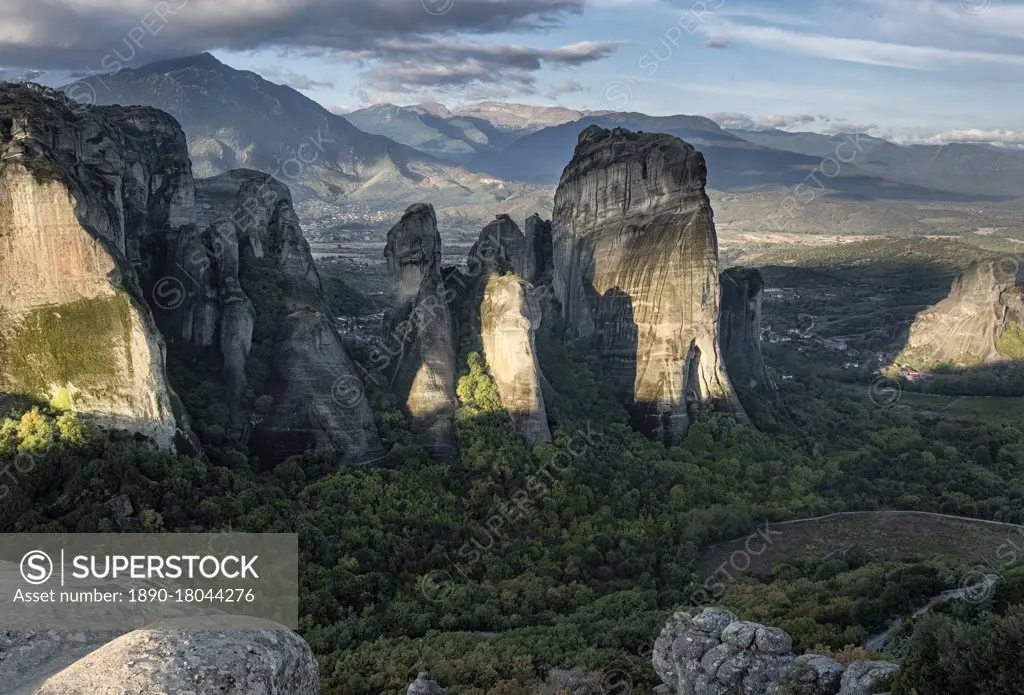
column 110, row 250
column 419, row 330
column 636, row 273
column 740, row 332
column 537, row 262
column 982, row 320
column 506, row 311
column 81, row 196
column 509, row 317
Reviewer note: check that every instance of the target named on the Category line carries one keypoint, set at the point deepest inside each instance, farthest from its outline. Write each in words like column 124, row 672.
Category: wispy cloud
column 866, row 51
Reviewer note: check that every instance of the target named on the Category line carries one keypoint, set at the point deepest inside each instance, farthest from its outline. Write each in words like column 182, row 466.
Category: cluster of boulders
column 716, row 653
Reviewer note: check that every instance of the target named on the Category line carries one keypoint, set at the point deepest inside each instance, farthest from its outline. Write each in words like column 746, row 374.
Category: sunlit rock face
column 110, row 250
column 199, row 661
column 81, row 193
column 420, row 328
column 509, row 317
column 636, row 273
column 982, row 320
column 740, row 331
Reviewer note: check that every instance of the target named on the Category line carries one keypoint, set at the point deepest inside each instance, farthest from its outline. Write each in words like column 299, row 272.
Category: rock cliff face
column 636, row 272
column 202, row 662
column 81, row 195
column 509, row 317
column 501, row 247
column 980, row 321
column 419, row 329
column 715, row 653
column 109, row 248
column 538, row 259
column 740, row 331
column 319, row 402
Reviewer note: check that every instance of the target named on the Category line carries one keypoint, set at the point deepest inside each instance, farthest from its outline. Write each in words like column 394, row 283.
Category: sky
column 922, row 70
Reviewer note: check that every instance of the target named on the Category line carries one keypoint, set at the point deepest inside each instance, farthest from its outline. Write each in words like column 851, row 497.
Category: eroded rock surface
column 82, row 195
column 636, row 272
column 501, row 247
column 419, row 329
column 200, row 662
column 538, row 260
column 423, row 685
column 110, row 250
column 740, row 331
column 715, row 653
column 980, row 321
column 509, row 317
column 319, row 402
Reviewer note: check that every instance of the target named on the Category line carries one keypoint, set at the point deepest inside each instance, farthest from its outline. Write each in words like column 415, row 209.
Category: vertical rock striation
column 538, row 258
column 422, row 368
column 509, row 317
column 982, row 320
column 109, row 250
column 501, row 247
column 740, row 331
column 319, row 403
column 82, row 195
column 636, row 273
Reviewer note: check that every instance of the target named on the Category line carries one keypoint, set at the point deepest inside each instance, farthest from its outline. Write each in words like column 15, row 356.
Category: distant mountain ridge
column 235, row 118
column 965, row 168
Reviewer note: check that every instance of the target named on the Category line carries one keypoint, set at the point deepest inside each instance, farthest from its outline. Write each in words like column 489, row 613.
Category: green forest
column 493, row 568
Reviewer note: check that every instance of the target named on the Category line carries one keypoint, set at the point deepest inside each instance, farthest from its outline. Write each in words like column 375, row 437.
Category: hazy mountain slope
column 956, row 167
column 416, row 128
column 522, row 118
column 235, row 118
column 734, row 164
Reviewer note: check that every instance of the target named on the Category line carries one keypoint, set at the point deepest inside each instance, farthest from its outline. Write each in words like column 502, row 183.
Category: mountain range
column 490, row 157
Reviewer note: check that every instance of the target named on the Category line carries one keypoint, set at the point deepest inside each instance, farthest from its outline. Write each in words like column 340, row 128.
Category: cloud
column 999, row 138
column 20, row 76
column 566, row 86
column 292, row 79
column 81, row 34
column 844, row 126
column 732, row 120
column 779, row 121
column 718, row 42
column 398, row 65
column 867, row 51
column 743, row 121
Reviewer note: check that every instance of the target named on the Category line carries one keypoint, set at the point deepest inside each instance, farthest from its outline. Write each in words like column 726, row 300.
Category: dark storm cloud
column 290, row 78
column 401, row 65
column 80, row 34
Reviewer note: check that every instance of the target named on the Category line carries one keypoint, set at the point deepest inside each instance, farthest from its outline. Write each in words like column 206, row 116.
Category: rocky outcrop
column 636, row 273
column 509, row 317
column 420, row 328
column 715, row 653
column 201, row 662
column 82, row 196
column 319, row 403
column 740, row 331
column 501, row 247
column 538, row 259
column 423, row 685
column 110, row 250
column 982, row 320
